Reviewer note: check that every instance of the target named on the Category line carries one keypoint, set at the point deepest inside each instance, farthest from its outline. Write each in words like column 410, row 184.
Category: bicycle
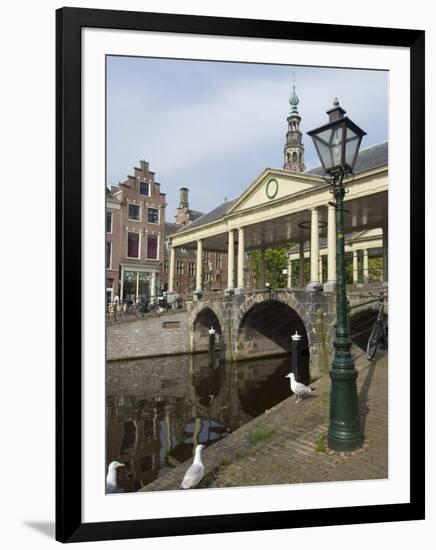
column 379, row 332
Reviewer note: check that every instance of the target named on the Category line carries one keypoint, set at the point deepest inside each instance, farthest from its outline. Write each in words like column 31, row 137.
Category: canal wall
column 153, row 336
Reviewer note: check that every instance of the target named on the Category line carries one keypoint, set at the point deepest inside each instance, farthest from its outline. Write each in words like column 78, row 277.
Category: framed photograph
column 240, row 221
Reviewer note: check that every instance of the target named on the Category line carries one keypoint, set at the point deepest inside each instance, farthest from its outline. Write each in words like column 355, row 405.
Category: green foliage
column 261, row 433
column 276, row 260
column 375, row 269
column 321, row 443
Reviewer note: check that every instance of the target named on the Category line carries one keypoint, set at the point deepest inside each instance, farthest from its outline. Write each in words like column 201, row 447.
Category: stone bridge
column 251, row 325
column 260, row 323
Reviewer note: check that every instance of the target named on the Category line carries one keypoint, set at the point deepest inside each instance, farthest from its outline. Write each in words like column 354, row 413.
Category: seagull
column 195, row 472
column 298, row 388
column 111, row 478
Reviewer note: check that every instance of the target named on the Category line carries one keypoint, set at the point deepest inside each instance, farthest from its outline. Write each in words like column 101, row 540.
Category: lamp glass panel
column 336, row 146
column 351, row 146
column 324, row 153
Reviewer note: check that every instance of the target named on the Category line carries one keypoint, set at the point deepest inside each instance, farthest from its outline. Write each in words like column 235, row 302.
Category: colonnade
column 233, row 245
column 236, row 247
column 360, row 269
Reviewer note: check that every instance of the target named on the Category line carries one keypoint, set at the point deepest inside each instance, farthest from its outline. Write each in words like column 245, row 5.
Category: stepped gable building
column 135, row 233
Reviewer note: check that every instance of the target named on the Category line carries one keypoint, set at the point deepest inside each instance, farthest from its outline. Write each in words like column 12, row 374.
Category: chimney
column 184, row 197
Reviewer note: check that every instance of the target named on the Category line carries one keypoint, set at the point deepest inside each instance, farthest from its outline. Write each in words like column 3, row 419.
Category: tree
column 276, row 260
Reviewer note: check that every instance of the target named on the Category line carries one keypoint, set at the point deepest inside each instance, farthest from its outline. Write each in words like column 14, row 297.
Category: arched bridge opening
column 203, row 322
column 266, row 329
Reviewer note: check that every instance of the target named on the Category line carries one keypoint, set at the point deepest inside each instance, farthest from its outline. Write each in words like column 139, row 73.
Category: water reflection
column 159, row 409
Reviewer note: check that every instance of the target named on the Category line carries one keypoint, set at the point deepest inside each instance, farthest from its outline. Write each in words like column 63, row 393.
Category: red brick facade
column 136, row 249
column 137, row 209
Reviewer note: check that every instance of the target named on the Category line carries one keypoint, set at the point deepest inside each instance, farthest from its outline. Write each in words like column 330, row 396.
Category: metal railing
column 117, row 311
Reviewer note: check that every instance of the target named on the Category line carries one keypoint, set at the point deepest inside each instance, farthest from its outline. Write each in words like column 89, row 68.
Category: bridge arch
column 302, row 318
column 203, row 316
column 265, row 324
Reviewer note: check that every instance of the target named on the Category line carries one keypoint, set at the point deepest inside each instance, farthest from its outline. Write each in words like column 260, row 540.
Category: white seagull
column 111, row 478
column 195, row 472
column 298, row 388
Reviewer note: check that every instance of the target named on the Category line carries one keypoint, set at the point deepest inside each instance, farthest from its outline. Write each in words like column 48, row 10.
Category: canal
column 158, row 409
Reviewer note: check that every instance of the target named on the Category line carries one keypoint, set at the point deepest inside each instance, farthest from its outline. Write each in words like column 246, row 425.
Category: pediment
column 272, row 186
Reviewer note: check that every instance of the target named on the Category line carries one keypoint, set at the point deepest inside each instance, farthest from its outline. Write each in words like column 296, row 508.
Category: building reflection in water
column 159, row 409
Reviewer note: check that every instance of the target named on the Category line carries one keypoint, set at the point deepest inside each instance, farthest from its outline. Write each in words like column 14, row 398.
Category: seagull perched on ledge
column 111, row 478
column 298, row 388
column 195, row 472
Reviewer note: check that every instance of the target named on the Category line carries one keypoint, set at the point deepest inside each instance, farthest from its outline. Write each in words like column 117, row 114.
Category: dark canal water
column 158, row 409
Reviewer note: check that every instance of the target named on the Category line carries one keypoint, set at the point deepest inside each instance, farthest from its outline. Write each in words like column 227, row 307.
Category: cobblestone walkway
column 288, row 443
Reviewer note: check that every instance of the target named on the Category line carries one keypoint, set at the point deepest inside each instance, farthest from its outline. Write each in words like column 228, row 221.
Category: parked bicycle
column 379, row 332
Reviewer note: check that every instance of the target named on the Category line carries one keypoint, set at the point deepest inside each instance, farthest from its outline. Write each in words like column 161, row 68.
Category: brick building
column 135, row 233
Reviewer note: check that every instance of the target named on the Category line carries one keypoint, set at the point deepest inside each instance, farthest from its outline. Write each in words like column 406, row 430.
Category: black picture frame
column 69, row 22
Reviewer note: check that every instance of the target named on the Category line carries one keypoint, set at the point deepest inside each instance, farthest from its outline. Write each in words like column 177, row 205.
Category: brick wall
column 156, row 335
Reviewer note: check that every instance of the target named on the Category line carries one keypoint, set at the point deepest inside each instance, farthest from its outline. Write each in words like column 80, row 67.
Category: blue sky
column 214, row 126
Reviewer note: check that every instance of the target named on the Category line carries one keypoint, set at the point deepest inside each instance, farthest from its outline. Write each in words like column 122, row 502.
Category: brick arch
column 198, row 307
column 285, row 298
column 197, row 335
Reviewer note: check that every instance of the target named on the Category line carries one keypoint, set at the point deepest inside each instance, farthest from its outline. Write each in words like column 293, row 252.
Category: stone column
column 262, row 269
column 199, row 268
column 320, row 268
column 231, row 262
column 330, row 285
column 385, row 254
column 241, row 254
column 365, row 266
column 355, row 267
column 301, row 262
column 153, row 287
column 289, row 283
column 314, row 251
column 122, row 286
column 171, row 269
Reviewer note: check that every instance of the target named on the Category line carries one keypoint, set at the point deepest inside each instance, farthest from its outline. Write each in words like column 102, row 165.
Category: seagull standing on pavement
column 298, row 388
column 111, row 478
column 195, row 472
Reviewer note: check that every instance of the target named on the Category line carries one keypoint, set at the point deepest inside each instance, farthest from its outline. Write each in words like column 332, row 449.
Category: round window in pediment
column 272, row 188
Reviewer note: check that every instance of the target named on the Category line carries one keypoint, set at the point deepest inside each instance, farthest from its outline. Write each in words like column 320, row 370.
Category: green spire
column 293, row 101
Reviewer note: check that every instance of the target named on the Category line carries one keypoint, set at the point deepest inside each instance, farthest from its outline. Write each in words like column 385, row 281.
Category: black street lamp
column 337, row 144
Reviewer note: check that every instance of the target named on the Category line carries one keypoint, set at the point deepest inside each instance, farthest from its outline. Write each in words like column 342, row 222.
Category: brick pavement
column 287, row 443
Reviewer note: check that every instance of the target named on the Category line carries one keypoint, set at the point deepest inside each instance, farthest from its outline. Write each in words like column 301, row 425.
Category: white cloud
column 229, row 118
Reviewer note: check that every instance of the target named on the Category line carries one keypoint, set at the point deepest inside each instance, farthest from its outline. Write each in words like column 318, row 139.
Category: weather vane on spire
column 293, row 100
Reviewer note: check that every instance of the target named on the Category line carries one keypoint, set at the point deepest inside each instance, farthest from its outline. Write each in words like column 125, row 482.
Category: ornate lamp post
column 337, row 144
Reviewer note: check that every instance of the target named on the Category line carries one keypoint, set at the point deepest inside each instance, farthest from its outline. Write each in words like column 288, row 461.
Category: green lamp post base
column 345, row 433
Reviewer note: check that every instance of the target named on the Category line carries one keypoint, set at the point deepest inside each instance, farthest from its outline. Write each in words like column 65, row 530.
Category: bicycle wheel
column 374, row 341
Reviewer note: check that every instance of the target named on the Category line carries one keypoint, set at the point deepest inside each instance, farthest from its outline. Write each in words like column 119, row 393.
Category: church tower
column 294, row 148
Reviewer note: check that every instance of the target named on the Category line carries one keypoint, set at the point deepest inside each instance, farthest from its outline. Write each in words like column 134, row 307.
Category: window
column 179, row 268
column 133, row 245
column 108, row 222
column 166, row 266
column 152, row 247
column 219, row 260
column 144, row 188
column 153, row 215
column 108, row 254
column 191, row 268
column 205, row 256
column 134, row 212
